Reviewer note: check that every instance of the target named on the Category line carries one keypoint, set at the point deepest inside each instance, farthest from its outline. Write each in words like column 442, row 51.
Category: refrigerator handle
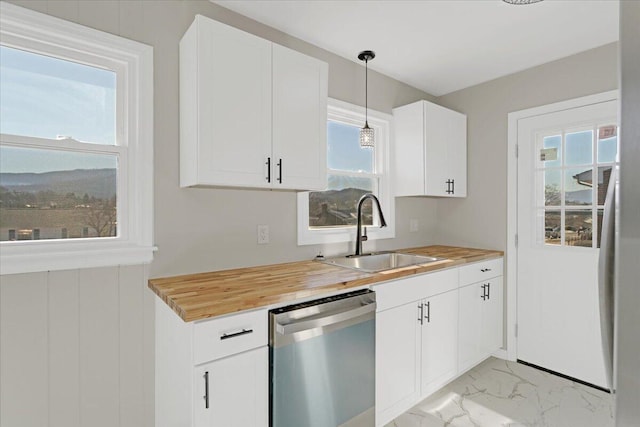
column 606, row 278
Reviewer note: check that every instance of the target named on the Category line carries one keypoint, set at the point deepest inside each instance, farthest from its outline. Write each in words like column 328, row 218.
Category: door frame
column 512, row 201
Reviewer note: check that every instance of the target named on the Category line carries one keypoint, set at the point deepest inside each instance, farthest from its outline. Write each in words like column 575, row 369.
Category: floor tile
column 499, row 393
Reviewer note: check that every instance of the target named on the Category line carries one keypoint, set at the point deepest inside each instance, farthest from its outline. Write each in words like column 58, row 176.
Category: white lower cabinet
column 232, row 391
column 439, row 340
column 416, row 340
column 430, row 328
column 480, row 332
column 211, row 373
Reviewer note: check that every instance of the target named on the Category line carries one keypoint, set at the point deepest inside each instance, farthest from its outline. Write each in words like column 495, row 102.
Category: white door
column 563, row 166
column 439, row 340
column 299, row 120
column 397, row 360
column 233, row 391
column 470, row 325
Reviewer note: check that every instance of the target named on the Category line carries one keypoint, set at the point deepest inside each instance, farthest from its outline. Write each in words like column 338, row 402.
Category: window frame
column 133, row 64
column 594, row 208
column 382, row 124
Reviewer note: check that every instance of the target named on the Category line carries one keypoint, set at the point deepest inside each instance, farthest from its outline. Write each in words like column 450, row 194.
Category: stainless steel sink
column 376, row 262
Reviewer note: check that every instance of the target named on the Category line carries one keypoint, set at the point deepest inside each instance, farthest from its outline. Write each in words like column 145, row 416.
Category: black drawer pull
column 484, row 270
column 268, row 169
column 206, row 390
column 236, row 334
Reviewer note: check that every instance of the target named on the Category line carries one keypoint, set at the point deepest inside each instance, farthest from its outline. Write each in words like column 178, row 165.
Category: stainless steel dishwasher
column 322, row 362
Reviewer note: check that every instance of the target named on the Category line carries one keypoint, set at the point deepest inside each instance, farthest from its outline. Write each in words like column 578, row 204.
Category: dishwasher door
column 322, row 357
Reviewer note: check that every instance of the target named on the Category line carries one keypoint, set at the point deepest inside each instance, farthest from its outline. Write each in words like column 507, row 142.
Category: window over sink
column 330, row 216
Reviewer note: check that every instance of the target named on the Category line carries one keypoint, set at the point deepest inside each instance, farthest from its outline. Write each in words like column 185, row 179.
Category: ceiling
column 441, row 46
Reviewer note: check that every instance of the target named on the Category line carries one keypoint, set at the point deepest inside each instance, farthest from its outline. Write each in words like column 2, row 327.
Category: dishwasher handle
column 329, row 319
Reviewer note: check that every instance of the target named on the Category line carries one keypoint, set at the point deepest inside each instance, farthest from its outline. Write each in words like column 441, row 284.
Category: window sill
column 30, row 259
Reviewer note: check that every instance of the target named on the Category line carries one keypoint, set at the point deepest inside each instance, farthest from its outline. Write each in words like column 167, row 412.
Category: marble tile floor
column 499, row 393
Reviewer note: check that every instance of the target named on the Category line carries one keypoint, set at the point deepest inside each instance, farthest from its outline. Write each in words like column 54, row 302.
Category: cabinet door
column 470, row 325
column 238, row 391
column 492, row 319
column 397, row 361
column 233, row 106
column 445, row 152
column 439, row 340
column 299, row 120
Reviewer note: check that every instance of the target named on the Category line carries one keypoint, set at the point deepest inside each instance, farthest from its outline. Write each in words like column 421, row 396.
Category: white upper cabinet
column 430, row 151
column 252, row 113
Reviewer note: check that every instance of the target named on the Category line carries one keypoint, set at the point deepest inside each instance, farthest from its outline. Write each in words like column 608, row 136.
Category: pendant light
column 367, row 138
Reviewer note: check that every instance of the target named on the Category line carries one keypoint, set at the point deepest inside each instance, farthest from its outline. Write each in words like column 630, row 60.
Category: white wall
column 628, row 298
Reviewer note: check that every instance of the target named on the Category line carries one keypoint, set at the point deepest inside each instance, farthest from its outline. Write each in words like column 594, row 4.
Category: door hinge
column 516, row 240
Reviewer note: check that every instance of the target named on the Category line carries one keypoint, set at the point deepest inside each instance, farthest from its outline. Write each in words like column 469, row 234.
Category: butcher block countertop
column 203, row 295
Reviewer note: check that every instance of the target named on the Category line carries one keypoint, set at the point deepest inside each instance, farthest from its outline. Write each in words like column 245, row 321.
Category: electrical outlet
column 413, row 225
column 263, row 234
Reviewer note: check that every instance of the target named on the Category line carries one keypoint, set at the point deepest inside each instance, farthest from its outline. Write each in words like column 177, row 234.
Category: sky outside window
column 46, row 97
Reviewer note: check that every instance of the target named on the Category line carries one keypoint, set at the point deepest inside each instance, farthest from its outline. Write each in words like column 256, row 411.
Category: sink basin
column 376, row 262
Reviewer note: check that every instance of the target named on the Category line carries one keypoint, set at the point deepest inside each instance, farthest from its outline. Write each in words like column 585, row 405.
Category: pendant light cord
column 366, row 92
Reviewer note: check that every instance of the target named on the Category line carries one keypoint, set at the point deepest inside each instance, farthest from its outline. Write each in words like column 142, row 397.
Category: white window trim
column 35, row 31
column 381, row 122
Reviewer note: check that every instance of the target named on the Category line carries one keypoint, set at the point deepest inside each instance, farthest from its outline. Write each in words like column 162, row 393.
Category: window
column 75, row 145
column 573, row 176
column 330, row 216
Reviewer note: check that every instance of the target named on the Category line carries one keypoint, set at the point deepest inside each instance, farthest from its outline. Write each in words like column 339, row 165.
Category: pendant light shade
column 367, row 135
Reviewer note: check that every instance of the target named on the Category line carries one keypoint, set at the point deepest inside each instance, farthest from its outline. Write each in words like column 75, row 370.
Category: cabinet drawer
column 480, row 271
column 217, row 338
column 402, row 291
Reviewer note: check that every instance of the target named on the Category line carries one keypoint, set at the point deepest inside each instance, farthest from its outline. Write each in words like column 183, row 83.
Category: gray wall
column 628, row 284
column 480, row 220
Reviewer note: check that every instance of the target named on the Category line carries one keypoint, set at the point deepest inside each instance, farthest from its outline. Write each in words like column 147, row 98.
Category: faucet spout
column 383, row 223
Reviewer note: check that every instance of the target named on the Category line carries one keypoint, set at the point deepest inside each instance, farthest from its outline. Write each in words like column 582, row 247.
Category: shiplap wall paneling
column 24, row 350
column 64, row 348
column 77, row 349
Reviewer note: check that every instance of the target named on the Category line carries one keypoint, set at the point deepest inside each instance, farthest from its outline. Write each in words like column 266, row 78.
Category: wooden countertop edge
column 163, row 287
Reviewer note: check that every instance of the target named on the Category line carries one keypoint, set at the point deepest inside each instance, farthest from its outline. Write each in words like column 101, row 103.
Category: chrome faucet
column 363, row 237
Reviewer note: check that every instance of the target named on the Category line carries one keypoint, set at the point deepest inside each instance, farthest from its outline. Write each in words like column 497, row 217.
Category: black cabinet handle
column 280, row 171
column 206, row 389
column 428, row 316
column 488, row 290
column 421, row 315
column 484, row 292
column 268, row 169
column 484, row 270
column 236, row 334
column 453, row 186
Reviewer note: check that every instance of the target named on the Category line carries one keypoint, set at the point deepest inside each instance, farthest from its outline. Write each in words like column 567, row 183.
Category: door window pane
column 344, row 150
column 607, row 145
column 578, row 186
column 604, row 176
column 578, row 227
column 579, row 148
column 600, row 218
column 552, row 230
column 47, row 97
column 553, row 142
column 552, row 196
column 50, row 194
